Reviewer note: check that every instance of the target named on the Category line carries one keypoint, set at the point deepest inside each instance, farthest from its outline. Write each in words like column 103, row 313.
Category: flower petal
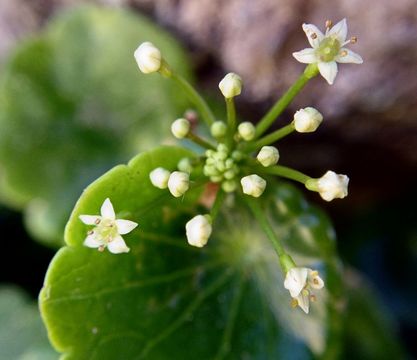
column 89, row 219
column 306, row 56
column 347, row 56
column 117, row 246
column 107, row 210
column 314, row 280
column 125, row 226
column 314, row 35
column 92, row 242
column 339, row 31
column 303, row 301
column 328, row 70
column 295, row 280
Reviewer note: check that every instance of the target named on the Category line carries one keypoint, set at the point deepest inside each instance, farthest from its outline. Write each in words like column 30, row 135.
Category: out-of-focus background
column 369, row 132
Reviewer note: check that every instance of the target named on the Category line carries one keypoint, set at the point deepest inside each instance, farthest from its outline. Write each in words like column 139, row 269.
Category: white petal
column 295, row 280
column 303, row 301
column 92, row 242
column 89, row 219
column 328, row 70
column 118, row 246
column 306, row 56
column 125, row 226
column 314, row 280
column 107, row 211
column 349, row 57
column 314, row 35
column 339, row 31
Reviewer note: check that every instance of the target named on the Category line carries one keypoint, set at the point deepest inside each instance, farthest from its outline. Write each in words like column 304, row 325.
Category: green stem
column 286, row 172
column 198, row 140
column 195, row 97
column 253, row 205
column 231, row 119
column 217, row 204
column 310, row 71
column 271, row 138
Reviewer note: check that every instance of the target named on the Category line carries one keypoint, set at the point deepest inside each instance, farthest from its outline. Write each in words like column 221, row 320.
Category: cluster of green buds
column 239, row 158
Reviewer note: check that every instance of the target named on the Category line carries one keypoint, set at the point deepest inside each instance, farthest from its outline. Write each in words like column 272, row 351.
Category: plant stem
column 253, row 205
column 195, row 98
column 231, row 119
column 271, row 138
column 286, row 172
column 198, row 140
column 217, row 204
column 310, row 71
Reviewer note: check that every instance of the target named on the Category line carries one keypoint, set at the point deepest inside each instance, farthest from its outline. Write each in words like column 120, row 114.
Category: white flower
column 269, row 155
column 231, row 85
column 246, row 130
column 307, row 120
column 298, row 281
column 253, row 185
column 159, row 177
column 198, row 230
column 148, row 57
column 180, row 128
column 328, row 49
column 178, row 183
column 332, row 186
column 107, row 230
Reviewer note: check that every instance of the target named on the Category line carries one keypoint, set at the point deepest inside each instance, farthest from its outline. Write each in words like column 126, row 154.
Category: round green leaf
column 166, row 299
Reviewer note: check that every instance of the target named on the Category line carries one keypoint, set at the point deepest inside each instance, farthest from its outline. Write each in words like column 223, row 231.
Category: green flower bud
column 246, row 130
column 268, row 156
column 184, row 165
column 229, row 186
column 180, row 128
column 218, row 129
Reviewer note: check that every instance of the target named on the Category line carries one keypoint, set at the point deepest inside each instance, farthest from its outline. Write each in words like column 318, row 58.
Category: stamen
column 343, row 53
column 313, row 36
column 353, row 40
column 313, row 298
column 91, row 232
column 101, row 248
column 314, row 273
column 315, row 281
column 294, row 303
column 97, row 221
column 328, row 24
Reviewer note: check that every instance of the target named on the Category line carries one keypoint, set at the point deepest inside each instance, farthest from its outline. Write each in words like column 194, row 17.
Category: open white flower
column 328, row 49
column 108, row 230
column 299, row 281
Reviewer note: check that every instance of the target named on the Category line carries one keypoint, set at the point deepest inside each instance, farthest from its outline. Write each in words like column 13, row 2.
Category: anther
column 294, row 303
column 91, row 232
column 315, row 281
column 313, row 36
column 97, row 221
column 353, row 40
column 328, row 24
column 313, row 298
column 101, row 248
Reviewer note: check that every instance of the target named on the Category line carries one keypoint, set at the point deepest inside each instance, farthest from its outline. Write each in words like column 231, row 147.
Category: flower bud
column 253, row 185
column 178, row 183
column 229, row 186
column 184, row 165
column 330, row 186
column 246, row 130
column 231, row 85
column 198, row 230
column 148, row 57
column 307, row 120
column 218, row 129
column 180, row 128
column 268, row 156
column 159, row 177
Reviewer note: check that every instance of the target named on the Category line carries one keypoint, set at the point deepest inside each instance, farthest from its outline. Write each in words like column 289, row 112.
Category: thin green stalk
column 218, row 202
column 195, row 97
column 254, row 206
column 231, row 119
column 286, row 172
column 198, row 140
column 310, row 71
column 271, row 138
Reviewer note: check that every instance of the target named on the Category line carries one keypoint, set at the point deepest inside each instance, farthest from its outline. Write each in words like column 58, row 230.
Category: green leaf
column 73, row 104
column 22, row 334
column 166, row 299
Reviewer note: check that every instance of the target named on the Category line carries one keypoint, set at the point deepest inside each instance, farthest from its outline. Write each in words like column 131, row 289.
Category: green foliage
column 166, row 299
column 73, row 104
column 22, row 335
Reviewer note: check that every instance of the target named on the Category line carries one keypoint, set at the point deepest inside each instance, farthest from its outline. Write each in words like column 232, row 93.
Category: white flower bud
column 198, row 230
column 178, row 183
column 307, row 120
column 218, row 129
column 159, row 177
column 253, row 185
column 246, row 130
column 330, row 186
column 180, row 128
column 148, row 57
column 268, row 156
column 231, row 85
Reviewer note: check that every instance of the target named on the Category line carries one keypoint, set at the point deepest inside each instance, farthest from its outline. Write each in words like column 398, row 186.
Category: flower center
column 328, row 49
column 106, row 230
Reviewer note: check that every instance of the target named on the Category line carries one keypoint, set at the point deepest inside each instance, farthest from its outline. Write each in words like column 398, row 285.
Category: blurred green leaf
column 166, row 299
column 73, row 104
column 22, row 334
